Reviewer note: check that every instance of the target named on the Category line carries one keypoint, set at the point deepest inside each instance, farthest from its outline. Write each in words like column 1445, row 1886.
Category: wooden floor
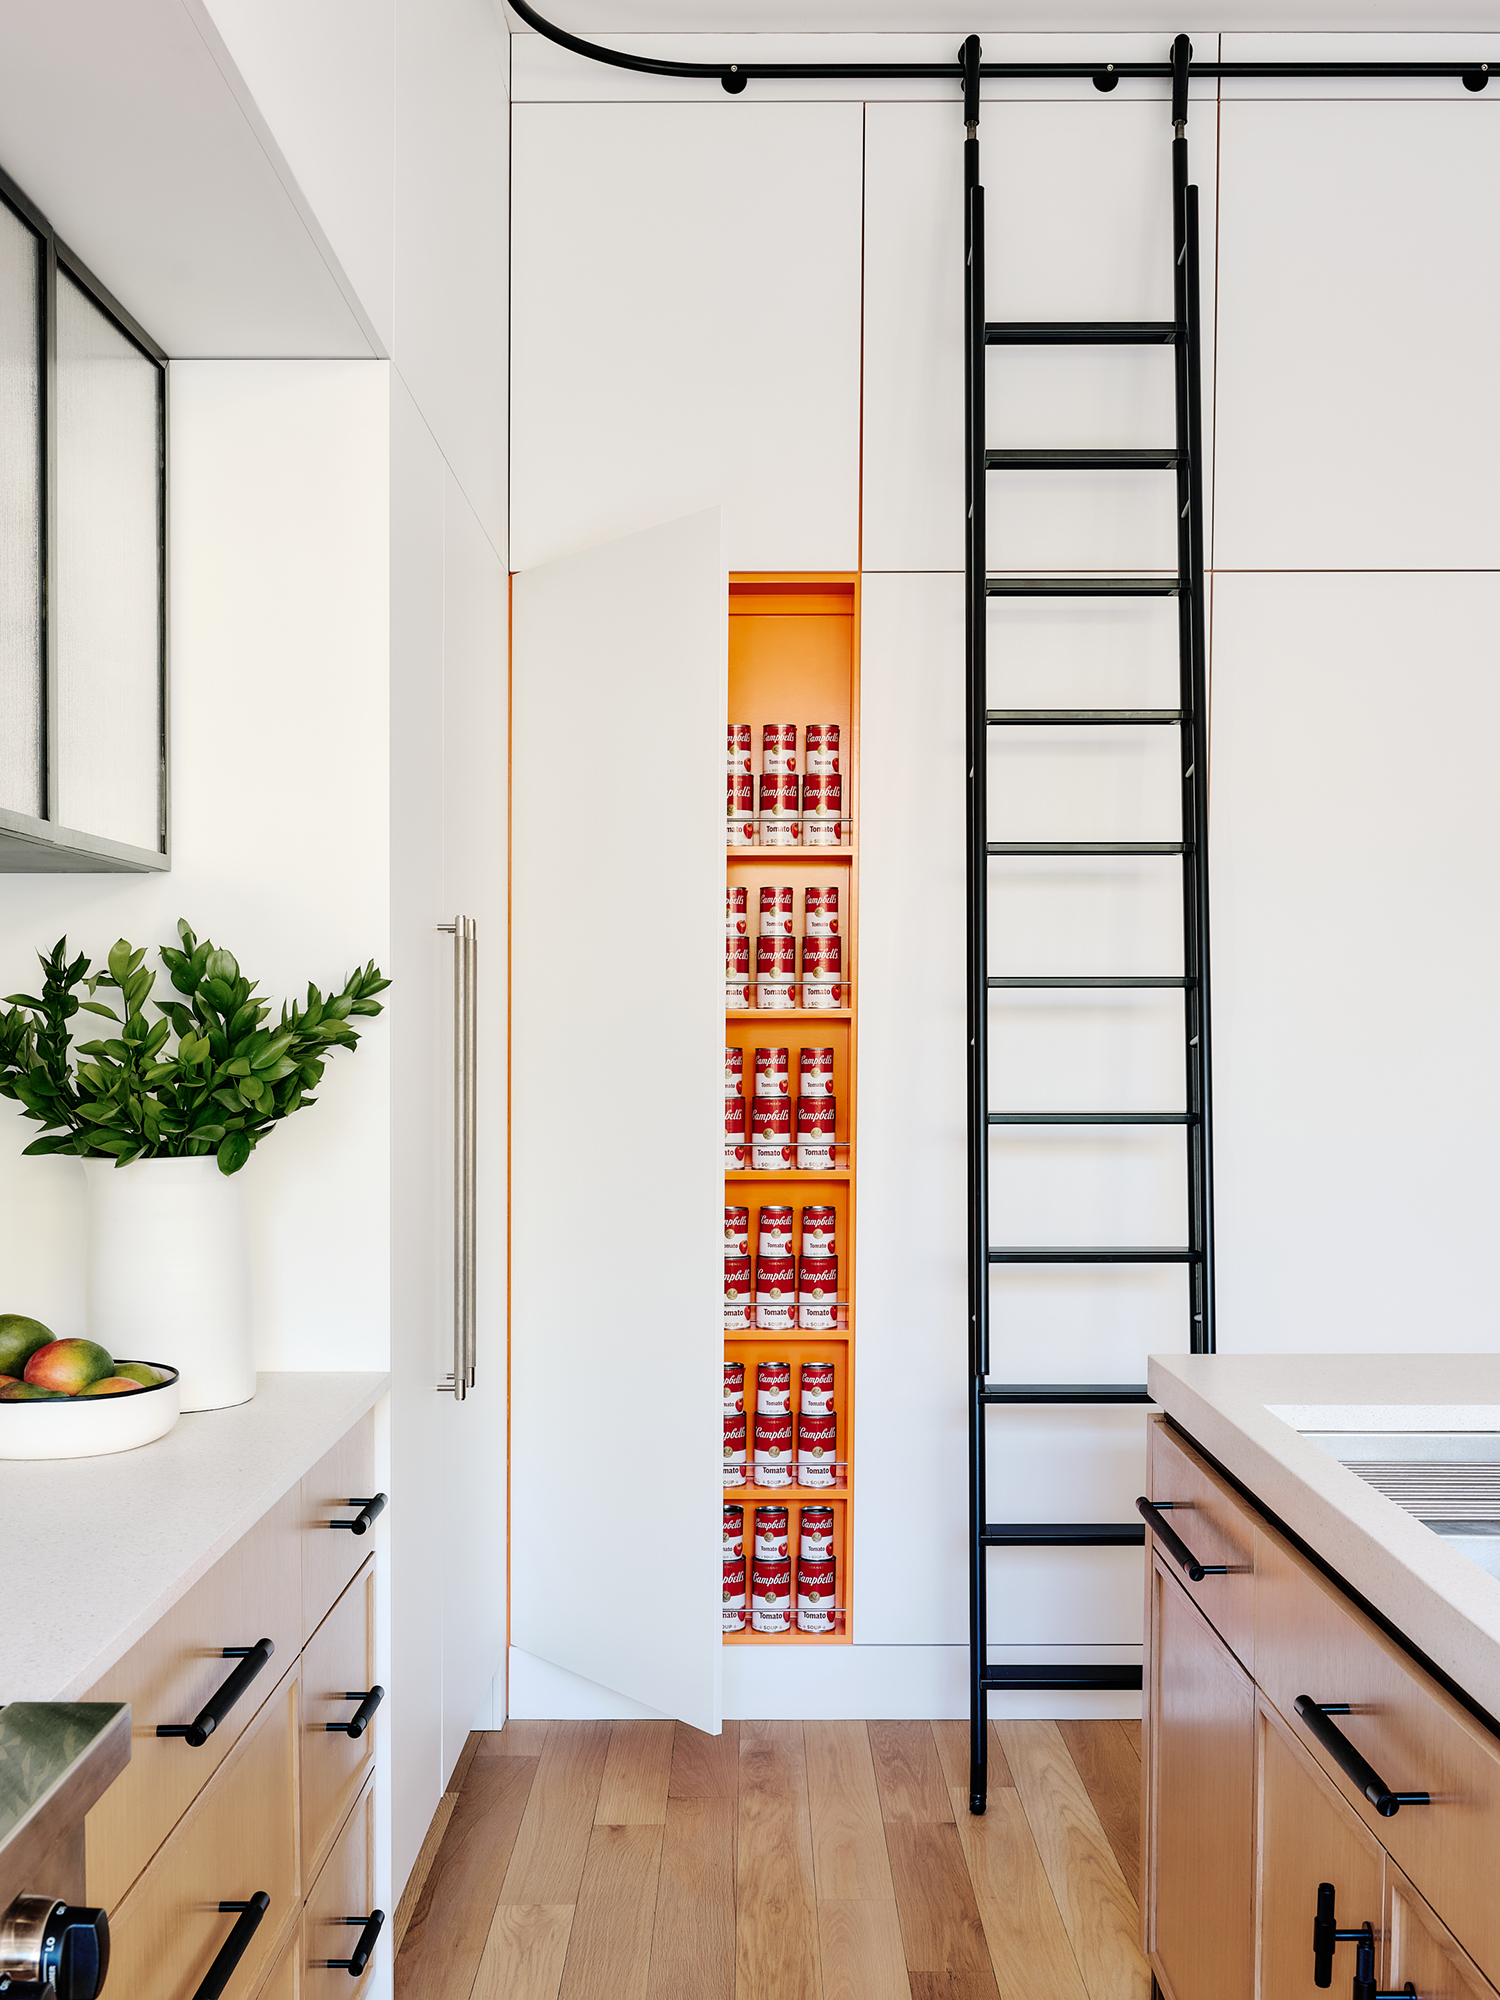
column 783, row 1861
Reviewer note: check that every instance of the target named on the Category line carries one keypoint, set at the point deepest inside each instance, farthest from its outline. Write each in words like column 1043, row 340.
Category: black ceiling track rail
column 1104, row 76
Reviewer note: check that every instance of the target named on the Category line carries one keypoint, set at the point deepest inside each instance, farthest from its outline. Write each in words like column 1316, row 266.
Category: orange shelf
column 733, row 1014
column 817, row 857
column 837, row 1177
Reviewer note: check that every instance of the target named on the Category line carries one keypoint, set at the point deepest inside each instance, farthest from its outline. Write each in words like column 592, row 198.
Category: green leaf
column 234, row 1150
column 98, row 1007
column 272, row 1053
column 99, row 1114
column 22, row 1000
column 222, row 965
column 53, row 1143
column 245, row 1018
column 119, row 960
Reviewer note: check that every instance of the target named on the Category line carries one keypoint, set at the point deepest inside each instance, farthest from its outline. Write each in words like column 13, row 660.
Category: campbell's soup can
column 822, row 993
column 780, row 795
column 775, row 958
column 822, row 811
column 815, row 1073
column 734, row 1589
column 822, row 957
column 778, row 747
column 734, row 1394
column 734, row 1531
column 773, row 1388
column 772, row 1535
column 736, row 1430
column 740, row 793
column 817, row 1449
column 817, row 1295
column 815, row 1534
column 821, row 742
column 734, row 1070
column 743, row 830
column 773, row 1450
column 815, row 1129
column 775, row 1295
column 736, row 958
column 738, row 1297
column 738, row 752
column 773, row 1072
column 770, row 1134
column 734, row 1135
column 775, row 996
column 771, row 1596
column 776, row 914
column 818, row 1226
column 814, row 1595
column 736, row 911
column 736, row 996
column 736, row 1231
column 815, row 1395
column 820, row 911
column 773, row 1231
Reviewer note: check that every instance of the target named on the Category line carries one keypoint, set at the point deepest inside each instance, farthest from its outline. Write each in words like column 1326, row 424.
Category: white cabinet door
column 685, row 326
column 619, row 704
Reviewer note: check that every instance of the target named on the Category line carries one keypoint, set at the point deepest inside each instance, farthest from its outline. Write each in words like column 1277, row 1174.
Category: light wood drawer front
column 285, row 1980
column 330, row 1556
column 1217, row 1526
column 239, row 1837
column 1422, row 1951
column 1311, row 1641
column 345, row 1890
column 339, row 1659
column 253, row 1592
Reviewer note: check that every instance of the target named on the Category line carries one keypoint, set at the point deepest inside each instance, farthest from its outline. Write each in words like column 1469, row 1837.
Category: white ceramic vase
column 169, row 1273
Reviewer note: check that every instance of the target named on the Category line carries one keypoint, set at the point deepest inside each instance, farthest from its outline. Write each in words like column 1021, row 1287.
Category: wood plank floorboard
column 861, row 1951
column 693, row 1944
column 940, row 1923
column 954, row 1986
column 849, row 1858
column 636, row 1772
column 1133, row 1735
column 952, row 1739
column 609, row 1948
column 706, row 1767
column 445, row 1938
column 522, row 1739
column 432, row 1840
column 547, row 1864
column 912, row 1786
column 776, row 1925
column 1111, row 1772
column 1023, row 1926
column 524, row 1952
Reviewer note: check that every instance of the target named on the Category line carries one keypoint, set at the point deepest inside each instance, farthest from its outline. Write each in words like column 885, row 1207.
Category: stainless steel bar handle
column 465, row 1152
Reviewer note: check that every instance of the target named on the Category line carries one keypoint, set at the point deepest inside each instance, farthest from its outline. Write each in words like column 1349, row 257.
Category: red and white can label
column 775, row 957
column 821, row 742
column 778, row 747
column 775, row 1296
column 780, row 796
column 815, row 1534
column 822, row 993
column 734, row 1533
column 823, row 830
column 776, row 914
column 815, row 792
column 739, row 791
column 774, row 831
column 815, row 1073
column 736, row 913
column 773, row 1450
column 770, row 1134
column 734, row 1119
column 815, row 1594
column 773, row 1072
column 736, row 958
column 738, row 747
column 775, row 996
column 773, row 1231
column 773, row 1388
column 817, row 1298
column 820, row 911
column 816, row 1391
column 822, row 957
column 737, row 1293
column 734, row 1392
column 818, row 1226
column 817, row 1449
column 736, row 1231
column 772, row 1535
column 734, row 1592
column 736, row 996
column 771, row 1596
column 736, row 1430
column 815, row 1133
column 744, row 830
column 734, row 1070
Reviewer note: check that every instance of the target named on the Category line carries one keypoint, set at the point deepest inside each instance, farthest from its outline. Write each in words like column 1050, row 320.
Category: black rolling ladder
column 1182, row 458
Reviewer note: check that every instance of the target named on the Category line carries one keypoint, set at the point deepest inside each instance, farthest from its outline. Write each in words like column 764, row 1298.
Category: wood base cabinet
column 1424, row 1951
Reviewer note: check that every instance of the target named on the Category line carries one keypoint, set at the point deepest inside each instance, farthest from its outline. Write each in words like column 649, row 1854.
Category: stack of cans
column 784, row 809
column 734, row 1568
column 817, row 1112
column 822, row 788
column 776, row 949
column 780, row 789
column 734, row 1110
column 741, row 831
column 736, row 949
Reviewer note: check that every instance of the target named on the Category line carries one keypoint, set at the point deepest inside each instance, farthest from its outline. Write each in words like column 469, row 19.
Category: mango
column 20, row 1338
column 141, row 1373
column 111, row 1385
column 28, row 1392
column 68, row 1366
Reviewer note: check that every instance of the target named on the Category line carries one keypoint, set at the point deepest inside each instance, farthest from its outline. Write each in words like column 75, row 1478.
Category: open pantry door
column 620, row 700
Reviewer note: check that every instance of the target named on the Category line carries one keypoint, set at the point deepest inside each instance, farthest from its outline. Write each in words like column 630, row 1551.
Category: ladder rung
column 1021, row 1677
column 1080, row 332
column 1085, row 458
column 1091, row 1253
column 1081, row 718
column 1082, row 586
column 1093, row 1117
column 1088, row 847
column 1070, row 981
column 1063, row 1534
column 1066, row 1392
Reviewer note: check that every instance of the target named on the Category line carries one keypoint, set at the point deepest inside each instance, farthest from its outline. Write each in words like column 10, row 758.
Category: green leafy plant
column 133, row 1096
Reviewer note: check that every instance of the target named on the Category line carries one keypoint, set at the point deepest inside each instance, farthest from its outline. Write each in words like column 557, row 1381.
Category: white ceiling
column 607, row 19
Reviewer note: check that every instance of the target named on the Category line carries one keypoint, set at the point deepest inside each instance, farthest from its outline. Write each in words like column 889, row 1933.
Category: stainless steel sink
column 1450, row 1480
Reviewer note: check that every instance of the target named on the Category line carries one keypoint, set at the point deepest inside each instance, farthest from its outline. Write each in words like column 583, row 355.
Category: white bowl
column 89, row 1426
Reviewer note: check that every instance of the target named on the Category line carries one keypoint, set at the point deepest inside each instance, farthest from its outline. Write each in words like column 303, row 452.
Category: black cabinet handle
column 234, row 1946
column 1173, row 1543
column 1365, row 1987
column 206, row 1721
column 369, row 1700
column 364, row 1944
column 1387, row 1803
column 368, row 1509
column 1326, row 1935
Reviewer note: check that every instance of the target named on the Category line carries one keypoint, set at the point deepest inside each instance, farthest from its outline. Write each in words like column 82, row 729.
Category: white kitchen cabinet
column 620, row 700
column 686, row 326
column 1356, row 423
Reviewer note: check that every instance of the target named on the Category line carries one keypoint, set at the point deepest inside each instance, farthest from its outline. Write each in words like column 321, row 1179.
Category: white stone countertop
column 1248, row 1412
column 97, row 1549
